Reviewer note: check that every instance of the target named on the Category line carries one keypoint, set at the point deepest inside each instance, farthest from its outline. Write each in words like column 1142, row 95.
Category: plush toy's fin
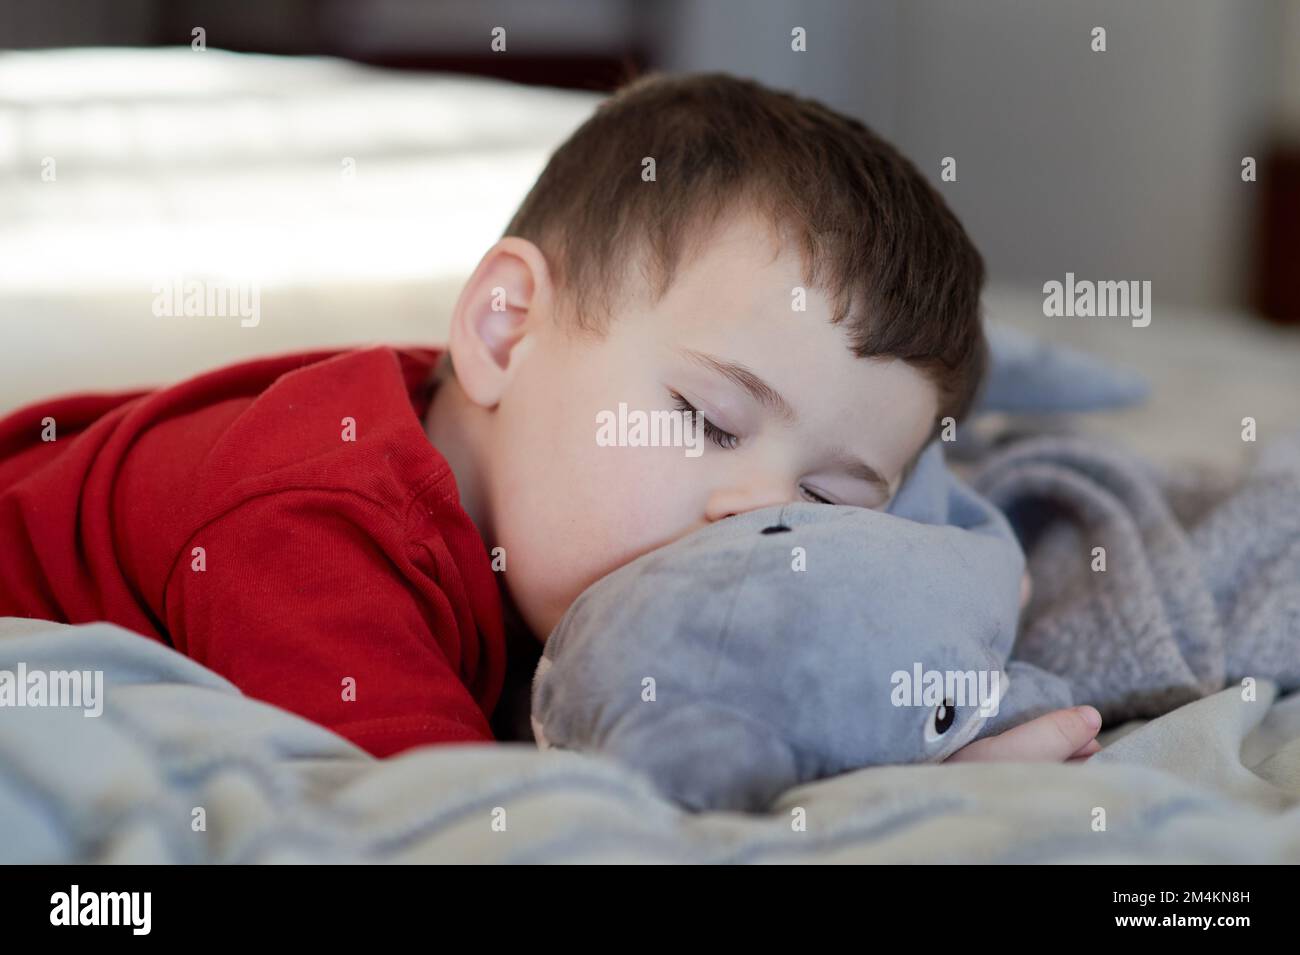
column 1030, row 376
column 1027, row 692
column 720, row 759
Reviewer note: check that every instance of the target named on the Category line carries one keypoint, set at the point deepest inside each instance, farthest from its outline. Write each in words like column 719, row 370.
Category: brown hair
column 874, row 235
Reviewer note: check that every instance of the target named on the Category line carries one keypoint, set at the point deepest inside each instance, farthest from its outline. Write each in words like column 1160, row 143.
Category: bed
column 215, row 165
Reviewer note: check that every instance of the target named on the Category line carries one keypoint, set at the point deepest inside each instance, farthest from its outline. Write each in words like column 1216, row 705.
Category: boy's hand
column 1056, row 737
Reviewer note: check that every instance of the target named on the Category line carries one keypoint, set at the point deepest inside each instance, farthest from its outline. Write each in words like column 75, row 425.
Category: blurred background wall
column 1118, row 163
column 1123, row 164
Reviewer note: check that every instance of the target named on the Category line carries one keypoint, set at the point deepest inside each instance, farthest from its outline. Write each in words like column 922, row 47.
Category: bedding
column 181, row 768
column 1150, row 592
column 353, row 201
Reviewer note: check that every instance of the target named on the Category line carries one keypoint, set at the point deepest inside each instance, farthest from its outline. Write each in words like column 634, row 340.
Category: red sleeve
column 303, row 601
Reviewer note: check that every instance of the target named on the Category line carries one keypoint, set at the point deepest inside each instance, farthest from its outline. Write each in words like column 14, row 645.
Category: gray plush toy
column 792, row 643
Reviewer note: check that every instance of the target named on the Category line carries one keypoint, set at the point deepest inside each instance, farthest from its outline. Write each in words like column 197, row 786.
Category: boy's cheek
column 556, row 548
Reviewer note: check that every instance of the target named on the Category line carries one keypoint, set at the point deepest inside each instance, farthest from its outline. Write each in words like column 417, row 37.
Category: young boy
column 322, row 529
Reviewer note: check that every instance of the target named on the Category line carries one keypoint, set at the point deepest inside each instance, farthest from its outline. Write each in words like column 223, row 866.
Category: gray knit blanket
column 1201, row 581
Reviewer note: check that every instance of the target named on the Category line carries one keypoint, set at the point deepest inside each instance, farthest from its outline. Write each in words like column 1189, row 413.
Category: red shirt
column 229, row 517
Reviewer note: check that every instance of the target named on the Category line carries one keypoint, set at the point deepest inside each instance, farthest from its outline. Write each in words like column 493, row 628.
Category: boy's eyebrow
column 762, row 392
column 857, row 468
column 768, row 396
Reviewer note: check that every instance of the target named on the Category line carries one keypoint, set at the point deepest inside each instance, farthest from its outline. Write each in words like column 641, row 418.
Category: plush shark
column 791, row 643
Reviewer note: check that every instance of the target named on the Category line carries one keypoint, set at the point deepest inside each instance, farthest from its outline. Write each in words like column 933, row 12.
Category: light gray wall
column 851, row 64
column 1123, row 164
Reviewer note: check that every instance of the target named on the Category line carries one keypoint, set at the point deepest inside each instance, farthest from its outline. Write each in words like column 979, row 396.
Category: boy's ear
column 498, row 309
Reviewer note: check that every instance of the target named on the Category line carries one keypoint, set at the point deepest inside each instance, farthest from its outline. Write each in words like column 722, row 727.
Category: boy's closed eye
column 727, row 441
column 719, row 436
column 859, row 484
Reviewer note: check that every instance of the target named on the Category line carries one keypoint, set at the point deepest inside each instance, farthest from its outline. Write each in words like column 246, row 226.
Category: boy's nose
column 732, row 501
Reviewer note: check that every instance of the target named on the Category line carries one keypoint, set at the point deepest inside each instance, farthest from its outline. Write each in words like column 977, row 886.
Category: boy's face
column 808, row 419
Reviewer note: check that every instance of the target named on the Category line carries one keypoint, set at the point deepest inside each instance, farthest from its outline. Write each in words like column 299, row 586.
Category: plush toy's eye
column 941, row 720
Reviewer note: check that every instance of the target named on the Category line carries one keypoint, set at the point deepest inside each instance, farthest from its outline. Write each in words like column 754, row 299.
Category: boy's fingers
column 1091, row 747
column 1083, row 755
column 1053, row 737
column 1056, row 736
